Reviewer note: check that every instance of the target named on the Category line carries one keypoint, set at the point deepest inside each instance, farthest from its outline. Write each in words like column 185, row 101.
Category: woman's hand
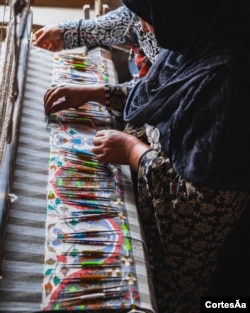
column 49, row 38
column 71, row 96
column 117, row 147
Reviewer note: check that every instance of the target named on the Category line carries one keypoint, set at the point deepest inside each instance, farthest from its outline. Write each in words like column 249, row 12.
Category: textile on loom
column 95, row 257
column 72, row 68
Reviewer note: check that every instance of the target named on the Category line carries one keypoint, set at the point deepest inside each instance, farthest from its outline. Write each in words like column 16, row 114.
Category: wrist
column 135, row 153
column 94, row 93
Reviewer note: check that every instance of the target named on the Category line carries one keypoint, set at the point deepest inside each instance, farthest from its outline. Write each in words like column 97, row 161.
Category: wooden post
column 98, row 7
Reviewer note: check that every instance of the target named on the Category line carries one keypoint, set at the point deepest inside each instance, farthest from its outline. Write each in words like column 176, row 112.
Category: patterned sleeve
column 104, row 30
column 153, row 174
column 154, row 167
column 116, row 97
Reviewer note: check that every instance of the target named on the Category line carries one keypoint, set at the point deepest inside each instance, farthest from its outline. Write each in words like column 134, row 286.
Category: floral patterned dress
column 184, row 226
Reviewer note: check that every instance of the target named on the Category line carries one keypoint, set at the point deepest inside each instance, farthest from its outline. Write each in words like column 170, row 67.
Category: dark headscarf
column 196, row 26
column 141, row 8
column 203, row 109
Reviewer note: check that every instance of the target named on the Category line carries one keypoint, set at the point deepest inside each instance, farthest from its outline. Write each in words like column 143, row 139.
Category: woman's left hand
column 72, row 96
column 117, row 147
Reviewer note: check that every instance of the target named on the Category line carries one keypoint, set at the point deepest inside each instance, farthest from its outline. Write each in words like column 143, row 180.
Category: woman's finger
column 48, row 93
column 101, row 133
column 97, row 141
column 54, row 100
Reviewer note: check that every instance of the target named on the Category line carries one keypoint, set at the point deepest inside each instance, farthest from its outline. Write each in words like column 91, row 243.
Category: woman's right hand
column 72, row 96
column 113, row 146
column 49, row 38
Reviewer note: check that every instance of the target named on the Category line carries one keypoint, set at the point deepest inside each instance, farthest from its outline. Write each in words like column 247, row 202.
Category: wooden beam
column 63, row 3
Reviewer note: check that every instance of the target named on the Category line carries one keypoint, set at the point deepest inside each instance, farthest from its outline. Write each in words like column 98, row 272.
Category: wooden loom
column 111, row 270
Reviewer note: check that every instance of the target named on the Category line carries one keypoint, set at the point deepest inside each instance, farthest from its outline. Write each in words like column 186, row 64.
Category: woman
column 193, row 167
column 114, row 28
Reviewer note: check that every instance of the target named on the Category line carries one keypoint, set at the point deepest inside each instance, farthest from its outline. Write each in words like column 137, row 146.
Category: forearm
column 95, row 93
column 112, row 97
column 136, row 153
column 97, row 31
